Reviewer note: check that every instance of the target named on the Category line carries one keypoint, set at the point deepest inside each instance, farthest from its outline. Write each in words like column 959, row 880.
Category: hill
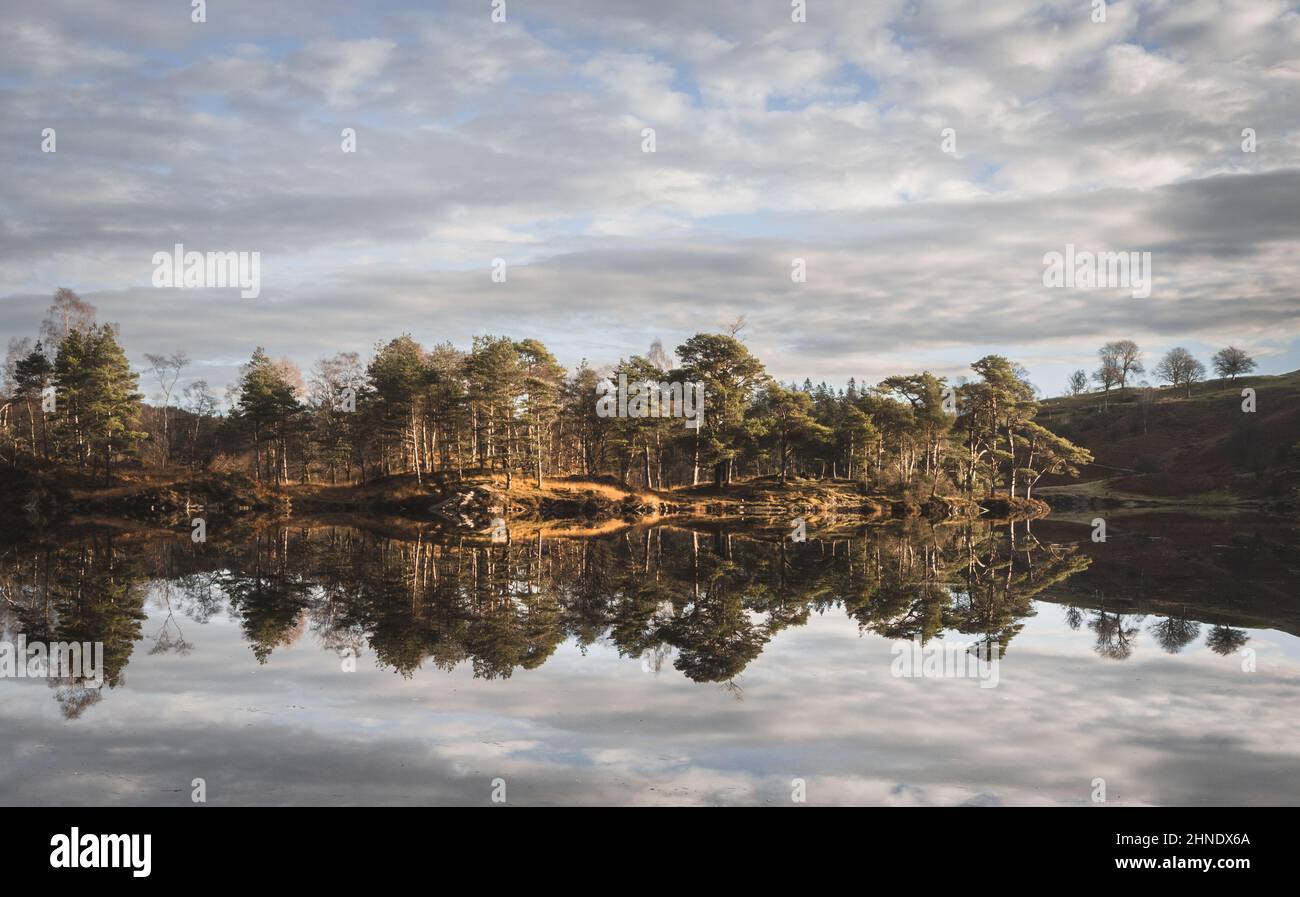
column 1154, row 446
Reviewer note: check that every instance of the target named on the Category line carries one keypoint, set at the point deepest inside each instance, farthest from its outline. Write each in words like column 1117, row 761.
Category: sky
column 774, row 140
column 591, row 727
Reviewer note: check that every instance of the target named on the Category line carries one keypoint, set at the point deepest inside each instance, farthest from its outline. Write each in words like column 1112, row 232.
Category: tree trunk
column 538, row 443
column 1011, row 473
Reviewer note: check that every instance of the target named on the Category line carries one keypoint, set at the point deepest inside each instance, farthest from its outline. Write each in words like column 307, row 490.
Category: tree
column 167, row 368
column 96, row 394
column 1107, row 377
column 543, row 377
column 199, row 402
column 929, row 423
column 1123, row 358
column 448, row 404
column 643, row 433
column 1047, row 453
column 730, row 375
column 266, row 401
column 583, row 433
column 786, row 415
column 1078, row 382
column 1180, row 368
column 893, row 435
column 495, row 381
column 858, row 433
column 399, row 374
column 1231, row 362
column 68, row 313
column 337, row 397
column 31, row 375
column 658, row 357
column 1000, row 404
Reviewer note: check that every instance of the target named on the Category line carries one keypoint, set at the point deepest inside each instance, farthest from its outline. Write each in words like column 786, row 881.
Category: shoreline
column 50, row 496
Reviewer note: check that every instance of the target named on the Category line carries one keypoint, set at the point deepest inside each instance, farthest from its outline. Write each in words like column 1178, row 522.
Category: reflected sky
column 593, row 726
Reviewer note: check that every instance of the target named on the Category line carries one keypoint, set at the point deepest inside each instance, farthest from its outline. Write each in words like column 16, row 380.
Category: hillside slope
column 1161, row 444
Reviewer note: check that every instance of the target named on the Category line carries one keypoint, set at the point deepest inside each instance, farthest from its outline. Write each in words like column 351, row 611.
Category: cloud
column 775, row 140
column 589, row 727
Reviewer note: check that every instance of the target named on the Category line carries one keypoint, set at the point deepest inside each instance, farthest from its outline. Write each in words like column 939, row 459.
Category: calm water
column 662, row 665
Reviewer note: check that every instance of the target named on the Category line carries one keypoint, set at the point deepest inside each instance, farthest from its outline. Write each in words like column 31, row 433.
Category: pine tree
column 96, row 392
column 32, row 374
column 399, row 375
column 786, row 415
column 265, row 406
column 495, row 376
column 542, row 378
column 730, row 375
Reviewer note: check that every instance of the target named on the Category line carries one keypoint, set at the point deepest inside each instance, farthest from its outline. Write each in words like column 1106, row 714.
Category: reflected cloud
column 537, row 676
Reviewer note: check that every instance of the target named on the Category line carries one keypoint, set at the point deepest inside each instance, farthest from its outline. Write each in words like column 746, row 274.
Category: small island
column 502, row 433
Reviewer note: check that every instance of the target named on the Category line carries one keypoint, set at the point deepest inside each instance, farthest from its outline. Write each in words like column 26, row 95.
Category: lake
column 379, row 661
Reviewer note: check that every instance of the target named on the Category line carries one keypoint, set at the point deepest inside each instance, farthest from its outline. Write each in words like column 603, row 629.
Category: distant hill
column 1163, row 445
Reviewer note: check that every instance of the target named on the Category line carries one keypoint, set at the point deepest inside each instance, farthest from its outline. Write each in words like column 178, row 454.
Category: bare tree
column 1124, row 356
column 1230, row 362
column 201, row 404
column 1078, row 382
column 1107, row 377
column 658, row 356
column 68, row 312
column 1180, row 368
column 332, row 392
column 167, row 368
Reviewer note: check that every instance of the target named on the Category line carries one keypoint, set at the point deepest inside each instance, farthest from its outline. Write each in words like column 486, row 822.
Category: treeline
column 507, row 407
column 1121, row 361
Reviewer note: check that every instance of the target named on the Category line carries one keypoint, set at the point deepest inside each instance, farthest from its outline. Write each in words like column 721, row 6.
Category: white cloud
column 774, row 140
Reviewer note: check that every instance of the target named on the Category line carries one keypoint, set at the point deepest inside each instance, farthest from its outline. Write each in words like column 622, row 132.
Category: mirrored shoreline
column 672, row 635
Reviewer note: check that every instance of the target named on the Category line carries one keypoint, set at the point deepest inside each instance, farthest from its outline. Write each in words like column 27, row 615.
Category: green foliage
column 266, row 405
column 507, row 406
column 731, row 376
column 97, row 404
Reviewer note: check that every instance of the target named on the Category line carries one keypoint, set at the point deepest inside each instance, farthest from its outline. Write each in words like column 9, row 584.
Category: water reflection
column 704, row 601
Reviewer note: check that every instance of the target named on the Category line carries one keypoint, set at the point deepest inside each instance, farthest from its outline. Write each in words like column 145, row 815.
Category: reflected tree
column 1173, row 634
column 1225, row 640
